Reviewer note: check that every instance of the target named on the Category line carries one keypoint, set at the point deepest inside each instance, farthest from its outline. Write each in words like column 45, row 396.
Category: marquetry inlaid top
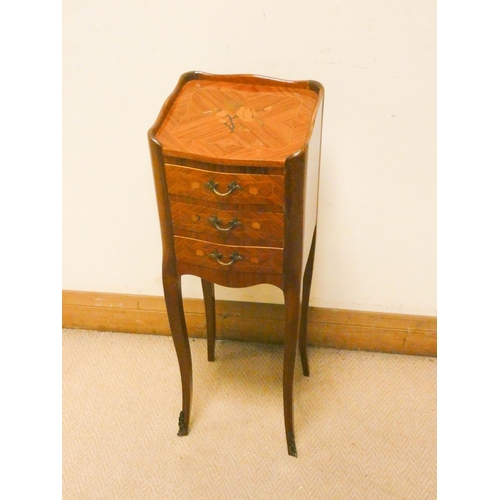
column 238, row 121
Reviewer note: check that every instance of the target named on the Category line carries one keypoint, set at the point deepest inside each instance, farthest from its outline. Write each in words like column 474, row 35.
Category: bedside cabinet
column 236, row 167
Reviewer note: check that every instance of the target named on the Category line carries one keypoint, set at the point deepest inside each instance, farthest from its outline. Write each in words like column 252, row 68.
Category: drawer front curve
column 229, row 258
column 220, row 187
column 228, row 225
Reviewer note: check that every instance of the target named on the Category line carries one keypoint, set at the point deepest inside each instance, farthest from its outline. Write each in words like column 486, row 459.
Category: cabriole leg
column 292, row 315
column 209, row 300
column 306, row 291
column 175, row 310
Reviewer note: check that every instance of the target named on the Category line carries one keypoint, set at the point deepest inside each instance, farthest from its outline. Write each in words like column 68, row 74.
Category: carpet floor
column 365, row 423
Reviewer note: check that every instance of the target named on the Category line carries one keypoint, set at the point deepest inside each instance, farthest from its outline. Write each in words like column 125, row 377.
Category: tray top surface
column 238, row 121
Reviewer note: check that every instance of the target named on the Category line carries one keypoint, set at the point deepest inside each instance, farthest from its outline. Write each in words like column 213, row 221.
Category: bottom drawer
column 229, row 258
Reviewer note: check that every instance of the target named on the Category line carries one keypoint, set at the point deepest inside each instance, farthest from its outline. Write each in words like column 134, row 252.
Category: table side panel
column 312, row 183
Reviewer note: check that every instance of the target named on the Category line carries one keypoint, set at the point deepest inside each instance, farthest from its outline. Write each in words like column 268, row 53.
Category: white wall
column 376, row 247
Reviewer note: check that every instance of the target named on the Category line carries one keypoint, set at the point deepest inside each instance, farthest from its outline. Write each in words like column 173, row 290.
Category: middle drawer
column 263, row 228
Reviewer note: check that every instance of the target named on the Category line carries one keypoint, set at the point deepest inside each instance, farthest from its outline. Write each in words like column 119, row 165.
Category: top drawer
column 258, row 189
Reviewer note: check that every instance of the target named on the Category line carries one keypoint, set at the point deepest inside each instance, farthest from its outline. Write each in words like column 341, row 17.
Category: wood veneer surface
column 253, row 259
column 253, row 189
column 253, row 228
column 238, row 121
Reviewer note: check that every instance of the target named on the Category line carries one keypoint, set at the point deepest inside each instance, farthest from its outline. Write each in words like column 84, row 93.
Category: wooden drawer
column 230, row 258
column 267, row 228
column 255, row 189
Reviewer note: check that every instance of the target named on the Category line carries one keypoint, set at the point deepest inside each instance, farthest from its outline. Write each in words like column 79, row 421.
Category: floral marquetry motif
column 238, row 121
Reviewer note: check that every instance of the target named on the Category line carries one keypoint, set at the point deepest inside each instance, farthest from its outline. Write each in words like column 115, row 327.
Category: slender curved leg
column 306, row 290
column 209, row 300
column 175, row 310
column 292, row 316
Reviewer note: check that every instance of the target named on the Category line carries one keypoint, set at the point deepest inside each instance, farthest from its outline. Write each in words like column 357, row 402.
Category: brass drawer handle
column 216, row 222
column 232, row 186
column 218, row 257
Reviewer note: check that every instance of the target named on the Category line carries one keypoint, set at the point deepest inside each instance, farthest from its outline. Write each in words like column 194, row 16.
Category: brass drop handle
column 216, row 222
column 232, row 186
column 218, row 257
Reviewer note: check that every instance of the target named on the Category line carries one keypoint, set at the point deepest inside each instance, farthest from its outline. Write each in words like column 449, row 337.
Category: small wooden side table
column 236, row 169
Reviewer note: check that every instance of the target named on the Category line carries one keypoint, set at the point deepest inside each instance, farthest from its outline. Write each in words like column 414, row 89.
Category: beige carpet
column 365, row 424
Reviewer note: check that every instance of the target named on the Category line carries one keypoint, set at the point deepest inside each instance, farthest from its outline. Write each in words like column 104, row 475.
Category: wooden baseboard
column 255, row 322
